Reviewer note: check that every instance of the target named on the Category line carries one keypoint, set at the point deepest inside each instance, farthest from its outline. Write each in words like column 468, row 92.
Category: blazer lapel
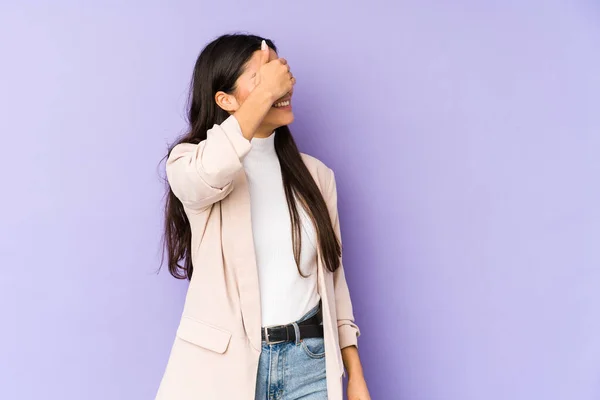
column 237, row 236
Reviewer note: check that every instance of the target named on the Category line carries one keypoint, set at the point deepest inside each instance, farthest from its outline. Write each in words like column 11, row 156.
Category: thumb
column 264, row 57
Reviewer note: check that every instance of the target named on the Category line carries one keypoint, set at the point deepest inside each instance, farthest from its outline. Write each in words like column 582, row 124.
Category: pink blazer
column 217, row 345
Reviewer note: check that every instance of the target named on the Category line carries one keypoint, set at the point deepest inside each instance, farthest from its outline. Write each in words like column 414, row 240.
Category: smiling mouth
column 280, row 104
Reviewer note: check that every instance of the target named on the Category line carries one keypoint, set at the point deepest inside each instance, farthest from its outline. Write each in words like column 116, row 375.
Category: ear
column 226, row 101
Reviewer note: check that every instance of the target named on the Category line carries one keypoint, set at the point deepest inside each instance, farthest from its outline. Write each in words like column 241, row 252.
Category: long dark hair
column 217, row 69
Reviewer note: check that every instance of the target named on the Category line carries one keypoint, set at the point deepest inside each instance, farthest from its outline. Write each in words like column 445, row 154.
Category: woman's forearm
column 252, row 112
column 352, row 362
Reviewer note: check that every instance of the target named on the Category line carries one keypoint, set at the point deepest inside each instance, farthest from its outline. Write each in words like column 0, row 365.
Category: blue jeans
column 292, row 370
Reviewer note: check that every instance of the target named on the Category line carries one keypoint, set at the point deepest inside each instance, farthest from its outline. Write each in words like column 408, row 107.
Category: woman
column 254, row 224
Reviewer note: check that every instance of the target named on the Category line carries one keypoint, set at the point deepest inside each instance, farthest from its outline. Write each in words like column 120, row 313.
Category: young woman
column 253, row 224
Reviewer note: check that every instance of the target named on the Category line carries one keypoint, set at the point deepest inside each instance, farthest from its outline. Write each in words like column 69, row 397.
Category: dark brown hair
column 217, row 69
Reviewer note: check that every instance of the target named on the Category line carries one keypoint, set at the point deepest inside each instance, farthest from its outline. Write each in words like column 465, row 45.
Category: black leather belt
column 286, row 333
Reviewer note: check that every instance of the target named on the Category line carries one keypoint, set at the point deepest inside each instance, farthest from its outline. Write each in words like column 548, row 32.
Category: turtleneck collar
column 263, row 145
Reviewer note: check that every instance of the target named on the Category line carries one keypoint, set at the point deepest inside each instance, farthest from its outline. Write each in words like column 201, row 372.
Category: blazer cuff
column 232, row 129
column 348, row 335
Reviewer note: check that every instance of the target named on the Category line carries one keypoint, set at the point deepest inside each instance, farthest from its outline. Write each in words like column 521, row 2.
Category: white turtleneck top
column 285, row 295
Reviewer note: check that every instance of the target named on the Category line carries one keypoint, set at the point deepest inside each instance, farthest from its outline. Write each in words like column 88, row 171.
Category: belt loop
column 297, row 332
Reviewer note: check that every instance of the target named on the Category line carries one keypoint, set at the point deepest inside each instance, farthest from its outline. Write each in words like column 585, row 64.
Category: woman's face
column 277, row 116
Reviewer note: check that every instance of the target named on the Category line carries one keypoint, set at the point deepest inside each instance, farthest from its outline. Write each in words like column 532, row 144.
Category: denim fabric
column 292, row 370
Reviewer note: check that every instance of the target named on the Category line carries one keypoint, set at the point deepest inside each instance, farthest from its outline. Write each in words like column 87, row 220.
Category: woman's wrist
column 264, row 92
column 356, row 373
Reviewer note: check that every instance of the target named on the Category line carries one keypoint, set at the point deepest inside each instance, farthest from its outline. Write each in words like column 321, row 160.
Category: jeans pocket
column 313, row 347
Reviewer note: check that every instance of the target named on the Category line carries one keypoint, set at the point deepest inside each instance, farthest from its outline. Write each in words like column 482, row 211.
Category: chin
column 289, row 119
column 281, row 120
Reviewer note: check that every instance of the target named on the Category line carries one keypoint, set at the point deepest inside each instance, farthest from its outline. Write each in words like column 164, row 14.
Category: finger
column 264, row 57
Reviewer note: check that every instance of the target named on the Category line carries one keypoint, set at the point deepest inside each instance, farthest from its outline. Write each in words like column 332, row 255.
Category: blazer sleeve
column 202, row 174
column 347, row 328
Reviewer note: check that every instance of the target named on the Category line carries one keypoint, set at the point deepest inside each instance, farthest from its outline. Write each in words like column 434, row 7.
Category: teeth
column 282, row 104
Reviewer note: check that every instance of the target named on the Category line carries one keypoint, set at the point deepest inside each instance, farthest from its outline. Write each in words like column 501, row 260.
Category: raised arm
column 202, row 174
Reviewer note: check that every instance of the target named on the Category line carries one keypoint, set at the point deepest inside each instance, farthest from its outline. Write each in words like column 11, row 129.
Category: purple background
column 465, row 140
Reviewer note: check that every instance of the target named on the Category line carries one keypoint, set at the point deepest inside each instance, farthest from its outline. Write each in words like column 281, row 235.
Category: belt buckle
column 268, row 341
